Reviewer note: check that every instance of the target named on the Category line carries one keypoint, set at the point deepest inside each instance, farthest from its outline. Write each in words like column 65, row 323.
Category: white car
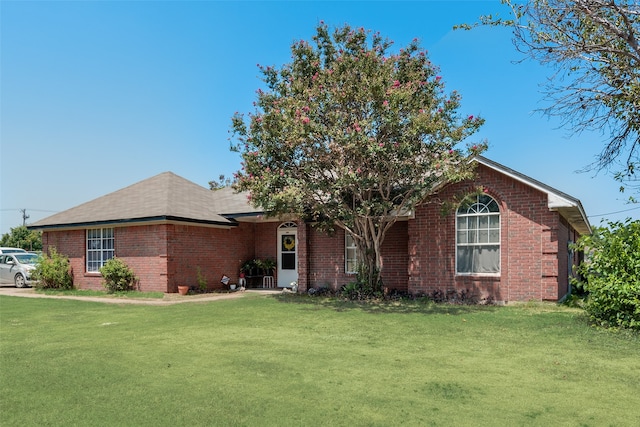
column 4, row 250
column 17, row 267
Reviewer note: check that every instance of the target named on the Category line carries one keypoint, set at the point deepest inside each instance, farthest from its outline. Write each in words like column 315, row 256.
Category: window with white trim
column 350, row 261
column 100, row 248
column 478, row 236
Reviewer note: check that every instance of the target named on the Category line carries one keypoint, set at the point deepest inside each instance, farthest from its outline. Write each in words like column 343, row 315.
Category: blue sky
column 96, row 96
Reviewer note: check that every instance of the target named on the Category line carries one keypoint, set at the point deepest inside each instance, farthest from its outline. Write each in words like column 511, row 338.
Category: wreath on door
column 289, row 243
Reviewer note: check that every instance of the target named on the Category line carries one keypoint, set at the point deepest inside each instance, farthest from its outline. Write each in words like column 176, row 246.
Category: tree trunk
column 369, row 242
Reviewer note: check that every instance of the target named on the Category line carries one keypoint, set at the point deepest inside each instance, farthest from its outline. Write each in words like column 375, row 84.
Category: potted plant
column 183, row 289
column 267, row 266
column 247, row 268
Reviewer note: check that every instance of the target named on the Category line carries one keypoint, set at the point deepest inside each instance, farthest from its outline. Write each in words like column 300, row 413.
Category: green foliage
column 611, row 274
column 258, row 266
column 118, row 276
column 266, row 265
column 20, row 237
column 592, row 46
column 222, row 182
column 352, row 135
column 357, row 291
column 53, row 271
column 202, row 281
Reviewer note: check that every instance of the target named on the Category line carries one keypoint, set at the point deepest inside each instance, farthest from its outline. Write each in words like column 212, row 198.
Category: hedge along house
column 510, row 242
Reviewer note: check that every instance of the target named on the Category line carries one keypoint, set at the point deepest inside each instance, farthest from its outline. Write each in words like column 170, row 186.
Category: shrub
column 118, row 276
column 202, row 281
column 358, row 291
column 611, row 274
column 461, row 297
column 53, row 272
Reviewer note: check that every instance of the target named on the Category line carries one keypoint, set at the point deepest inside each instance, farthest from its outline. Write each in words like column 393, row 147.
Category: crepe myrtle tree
column 351, row 135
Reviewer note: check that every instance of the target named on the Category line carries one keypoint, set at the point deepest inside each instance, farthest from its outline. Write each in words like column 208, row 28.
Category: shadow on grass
column 406, row 306
column 99, row 294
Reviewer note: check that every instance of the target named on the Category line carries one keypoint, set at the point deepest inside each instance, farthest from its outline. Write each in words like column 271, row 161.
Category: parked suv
column 11, row 250
column 17, row 267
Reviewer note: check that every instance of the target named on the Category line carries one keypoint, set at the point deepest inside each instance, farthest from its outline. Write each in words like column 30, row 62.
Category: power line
column 29, row 209
column 617, row 212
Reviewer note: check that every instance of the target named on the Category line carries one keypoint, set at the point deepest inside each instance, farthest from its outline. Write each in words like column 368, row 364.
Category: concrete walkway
column 168, row 299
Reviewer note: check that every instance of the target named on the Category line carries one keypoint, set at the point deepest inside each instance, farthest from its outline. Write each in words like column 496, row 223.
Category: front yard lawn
column 288, row 360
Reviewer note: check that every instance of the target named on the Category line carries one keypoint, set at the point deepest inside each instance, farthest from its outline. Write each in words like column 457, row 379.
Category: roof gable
column 163, row 197
column 567, row 206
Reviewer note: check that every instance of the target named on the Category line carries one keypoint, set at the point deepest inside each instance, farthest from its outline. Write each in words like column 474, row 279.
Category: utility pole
column 24, row 216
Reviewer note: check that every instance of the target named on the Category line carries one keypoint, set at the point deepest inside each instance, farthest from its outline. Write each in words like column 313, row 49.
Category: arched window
column 478, row 236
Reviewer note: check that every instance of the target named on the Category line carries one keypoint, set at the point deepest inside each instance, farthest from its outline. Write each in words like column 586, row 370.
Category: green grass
column 290, row 361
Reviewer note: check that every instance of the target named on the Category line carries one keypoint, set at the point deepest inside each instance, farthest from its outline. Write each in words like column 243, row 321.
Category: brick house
column 509, row 242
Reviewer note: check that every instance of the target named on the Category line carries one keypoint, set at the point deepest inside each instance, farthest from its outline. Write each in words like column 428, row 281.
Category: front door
column 287, row 254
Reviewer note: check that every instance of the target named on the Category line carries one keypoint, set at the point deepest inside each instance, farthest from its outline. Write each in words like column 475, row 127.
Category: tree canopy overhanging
column 593, row 45
column 352, row 135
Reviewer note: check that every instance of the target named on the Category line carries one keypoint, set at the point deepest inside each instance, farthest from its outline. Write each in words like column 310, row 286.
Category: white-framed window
column 100, row 248
column 478, row 236
column 350, row 261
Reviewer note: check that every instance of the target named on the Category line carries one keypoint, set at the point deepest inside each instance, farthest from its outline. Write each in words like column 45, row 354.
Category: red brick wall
column 530, row 246
column 144, row 250
column 162, row 256
column 266, row 240
column 216, row 251
column 72, row 244
column 326, row 262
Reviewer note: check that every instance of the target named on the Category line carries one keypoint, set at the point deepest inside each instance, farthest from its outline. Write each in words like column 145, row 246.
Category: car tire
column 19, row 281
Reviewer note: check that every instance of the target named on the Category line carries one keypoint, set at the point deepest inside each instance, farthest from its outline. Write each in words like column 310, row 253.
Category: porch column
column 303, row 256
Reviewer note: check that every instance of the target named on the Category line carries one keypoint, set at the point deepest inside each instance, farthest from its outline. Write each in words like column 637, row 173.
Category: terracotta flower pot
column 183, row 289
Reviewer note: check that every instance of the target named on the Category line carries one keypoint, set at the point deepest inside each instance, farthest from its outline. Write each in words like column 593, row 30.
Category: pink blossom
column 470, row 117
column 305, row 120
column 381, row 145
column 438, row 78
column 385, row 103
column 396, row 83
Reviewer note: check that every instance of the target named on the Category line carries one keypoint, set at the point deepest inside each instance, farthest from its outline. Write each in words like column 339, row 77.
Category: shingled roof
column 164, row 197
column 567, row 206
